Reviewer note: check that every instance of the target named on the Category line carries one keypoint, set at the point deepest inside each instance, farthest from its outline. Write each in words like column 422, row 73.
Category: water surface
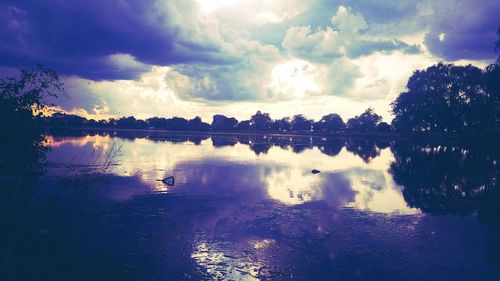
column 249, row 208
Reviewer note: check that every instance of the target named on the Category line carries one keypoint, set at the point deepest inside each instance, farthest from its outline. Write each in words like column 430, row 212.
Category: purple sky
column 201, row 57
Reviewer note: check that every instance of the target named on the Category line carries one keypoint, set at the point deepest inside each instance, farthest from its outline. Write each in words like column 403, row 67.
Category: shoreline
column 342, row 135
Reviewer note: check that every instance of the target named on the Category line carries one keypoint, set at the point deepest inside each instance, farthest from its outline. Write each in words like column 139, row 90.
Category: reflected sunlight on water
column 346, row 180
column 224, row 266
column 248, row 207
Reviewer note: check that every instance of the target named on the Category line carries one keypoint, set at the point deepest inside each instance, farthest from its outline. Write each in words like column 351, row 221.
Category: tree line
column 366, row 122
column 443, row 99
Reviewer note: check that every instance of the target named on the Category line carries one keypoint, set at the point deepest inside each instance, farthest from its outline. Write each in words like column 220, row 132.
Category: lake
column 249, row 208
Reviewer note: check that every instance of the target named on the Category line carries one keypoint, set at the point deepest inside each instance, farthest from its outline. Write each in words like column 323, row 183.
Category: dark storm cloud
column 76, row 37
column 466, row 30
column 240, row 51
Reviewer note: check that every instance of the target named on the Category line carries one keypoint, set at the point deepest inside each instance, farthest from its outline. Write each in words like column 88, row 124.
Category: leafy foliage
column 223, row 123
column 366, row 122
column 260, row 121
column 22, row 100
column 449, row 99
column 301, row 124
column 330, row 123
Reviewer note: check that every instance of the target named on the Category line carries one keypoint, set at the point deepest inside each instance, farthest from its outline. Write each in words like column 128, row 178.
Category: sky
column 203, row 57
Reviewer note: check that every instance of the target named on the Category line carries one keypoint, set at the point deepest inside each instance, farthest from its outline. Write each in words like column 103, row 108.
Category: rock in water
column 169, row 181
column 314, row 171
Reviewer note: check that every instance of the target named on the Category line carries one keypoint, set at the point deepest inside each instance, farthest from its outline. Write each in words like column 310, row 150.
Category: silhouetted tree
column 223, row 123
column 330, row 123
column 492, row 77
column 140, row 124
column 383, row 127
column 243, row 125
column 23, row 99
column 177, row 124
column 448, row 99
column 301, row 124
column 153, row 123
column 366, row 122
column 104, row 123
column 66, row 120
column 260, row 121
column 112, row 122
column 127, row 123
column 196, row 124
column 282, row 125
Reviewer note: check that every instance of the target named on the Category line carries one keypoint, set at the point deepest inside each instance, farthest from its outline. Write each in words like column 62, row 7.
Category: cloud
column 245, row 79
column 386, row 11
column 346, row 37
column 467, row 27
column 155, row 95
column 297, row 79
column 322, row 45
column 78, row 37
column 119, row 97
column 260, row 78
column 197, row 57
column 367, row 47
column 127, row 62
column 383, row 76
column 464, row 30
column 348, row 22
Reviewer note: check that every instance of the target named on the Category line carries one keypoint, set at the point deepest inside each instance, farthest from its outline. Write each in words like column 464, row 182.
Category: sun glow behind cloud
column 210, row 6
column 294, row 78
column 202, row 57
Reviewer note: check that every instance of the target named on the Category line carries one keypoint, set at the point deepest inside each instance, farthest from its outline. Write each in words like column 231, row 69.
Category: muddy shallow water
column 249, row 208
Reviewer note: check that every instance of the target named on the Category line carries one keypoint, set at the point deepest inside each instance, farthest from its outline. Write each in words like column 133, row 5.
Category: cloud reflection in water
column 231, row 169
column 249, row 210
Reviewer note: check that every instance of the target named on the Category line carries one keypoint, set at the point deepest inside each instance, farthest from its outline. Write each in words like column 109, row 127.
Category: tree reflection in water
column 446, row 179
column 364, row 148
column 249, row 206
column 451, row 180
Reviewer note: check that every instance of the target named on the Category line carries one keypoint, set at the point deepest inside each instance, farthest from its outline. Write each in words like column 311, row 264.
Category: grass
column 87, row 164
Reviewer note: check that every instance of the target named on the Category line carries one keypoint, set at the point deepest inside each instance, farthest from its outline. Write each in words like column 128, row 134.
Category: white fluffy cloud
column 244, row 79
column 221, row 61
column 321, row 45
column 348, row 22
column 345, row 37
